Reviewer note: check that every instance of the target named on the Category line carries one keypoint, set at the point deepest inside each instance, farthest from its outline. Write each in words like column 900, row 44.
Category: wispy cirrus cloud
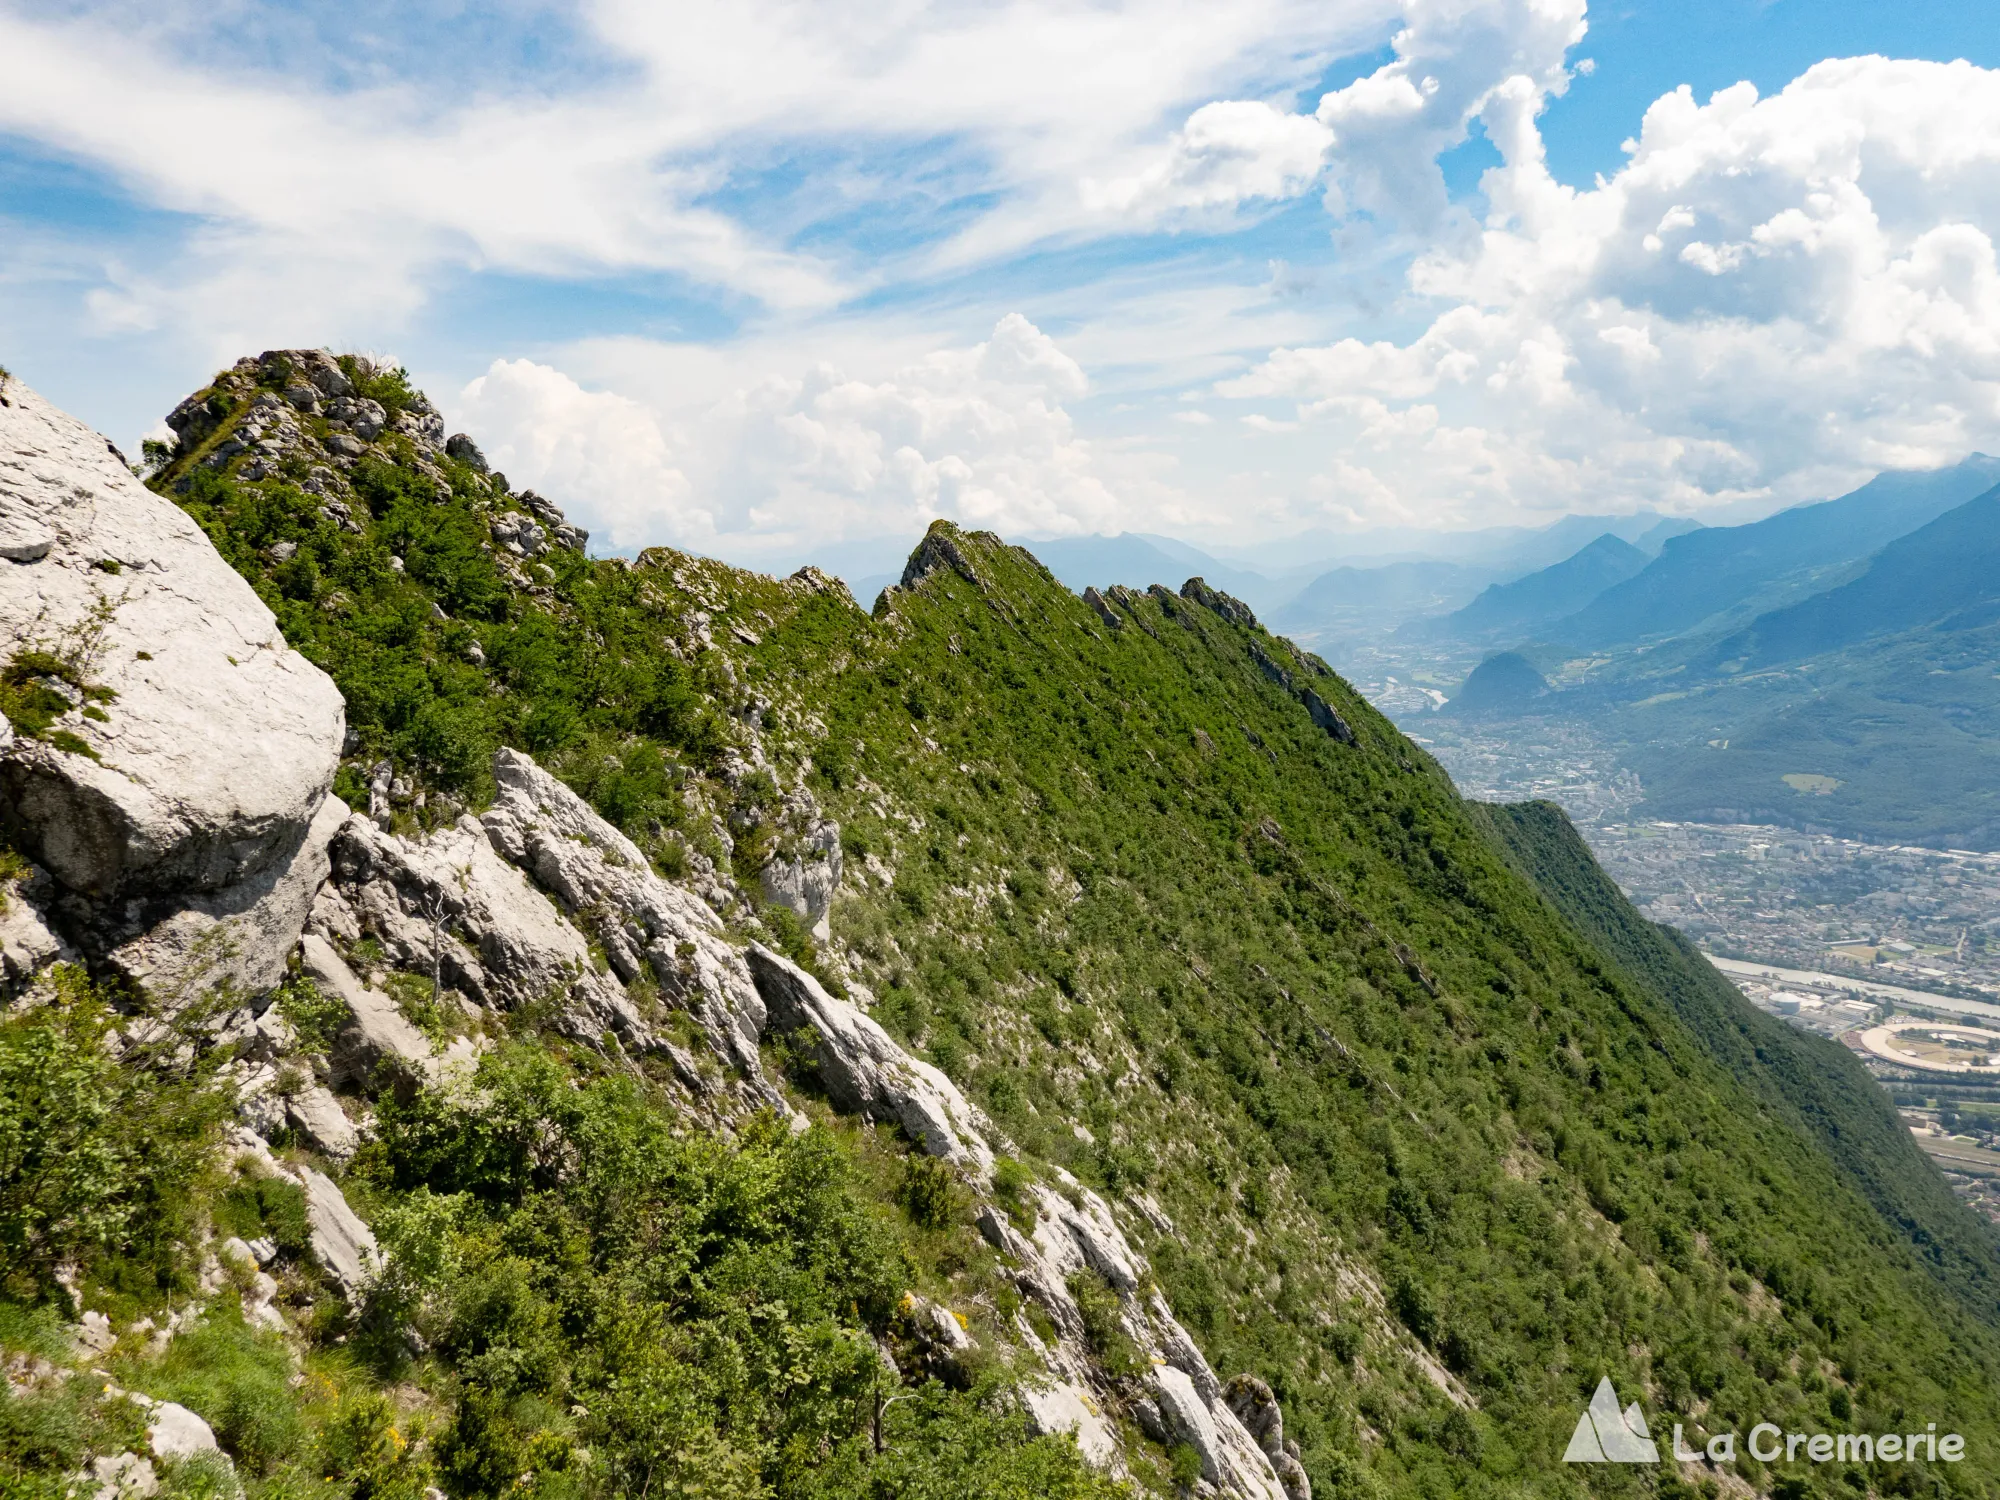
column 632, row 163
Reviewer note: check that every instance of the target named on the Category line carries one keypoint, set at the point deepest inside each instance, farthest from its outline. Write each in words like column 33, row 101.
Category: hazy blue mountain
column 1380, row 598
column 1503, row 550
column 1871, row 708
column 1654, row 538
column 1502, row 684
column 1708, row 575
column 1524, row 605
column 1944, row 573
column 1549, row 545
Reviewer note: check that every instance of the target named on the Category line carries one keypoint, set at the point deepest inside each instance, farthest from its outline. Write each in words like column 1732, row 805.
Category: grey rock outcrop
column 341, row 1243
column 27, row 943
column 466, row 451
column 375, row 1033
column 1230, row 1460
column 1257, row 1409
column 449, row 904
column 1057, row 1406
column 1269, row 667
column 805, row 879
column 134, row 595
column 550, row 514
column 1074, row 1230
column 1103, row 609
column 1197, row 591
column 242, row 934
column 1327, row 717
column 865, row 1072
column 174, row 1431
column 122, row 1476
column 319, row 1120
column 642, row 921
column 939, row 550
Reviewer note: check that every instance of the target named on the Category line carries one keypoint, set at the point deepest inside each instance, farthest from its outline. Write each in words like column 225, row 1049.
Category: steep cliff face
column 728, row 1043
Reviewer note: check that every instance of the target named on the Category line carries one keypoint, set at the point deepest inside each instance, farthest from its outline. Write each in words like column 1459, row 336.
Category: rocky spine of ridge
column 169, row 780
column 315, row 426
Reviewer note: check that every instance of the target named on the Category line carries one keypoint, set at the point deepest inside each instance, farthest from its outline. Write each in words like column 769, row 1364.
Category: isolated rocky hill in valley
column 716, row 1041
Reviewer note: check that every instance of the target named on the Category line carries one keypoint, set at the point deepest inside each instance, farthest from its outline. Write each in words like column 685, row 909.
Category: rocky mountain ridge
column 252, row 865
column 981, row 1021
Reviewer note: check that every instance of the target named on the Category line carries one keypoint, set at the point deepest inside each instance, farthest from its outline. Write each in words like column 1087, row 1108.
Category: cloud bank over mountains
column 1772, row 295
column 980, row 435
column 893, row 262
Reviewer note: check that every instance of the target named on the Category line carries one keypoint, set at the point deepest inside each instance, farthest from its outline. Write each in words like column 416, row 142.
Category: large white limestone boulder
column 217, row 742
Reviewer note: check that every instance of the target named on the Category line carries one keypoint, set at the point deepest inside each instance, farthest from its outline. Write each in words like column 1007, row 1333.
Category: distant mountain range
column 1527, row 604
column 1356, row 600
column 1831, row 666
column 1722, row 574
column 1945, row 573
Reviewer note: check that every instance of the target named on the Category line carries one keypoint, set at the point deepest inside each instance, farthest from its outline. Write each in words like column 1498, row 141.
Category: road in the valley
column 1922, row 998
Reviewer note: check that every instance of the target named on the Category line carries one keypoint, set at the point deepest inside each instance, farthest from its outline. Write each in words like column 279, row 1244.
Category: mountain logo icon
column 1606, row 1435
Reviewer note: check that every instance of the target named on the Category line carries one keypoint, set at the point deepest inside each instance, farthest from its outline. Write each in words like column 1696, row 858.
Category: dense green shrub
column 98, row 1158
column 696, row 1315
column 1103, row 1324
column 930, row 1192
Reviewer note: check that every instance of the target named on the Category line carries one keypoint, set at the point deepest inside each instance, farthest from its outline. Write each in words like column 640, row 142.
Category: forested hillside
column 1397, row 1119
column 1811, row 1080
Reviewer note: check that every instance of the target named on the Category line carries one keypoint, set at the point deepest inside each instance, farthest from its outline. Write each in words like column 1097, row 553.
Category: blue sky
column 767, row 279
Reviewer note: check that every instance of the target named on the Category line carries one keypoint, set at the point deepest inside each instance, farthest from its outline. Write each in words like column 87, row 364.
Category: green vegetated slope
column 1908, row 725
column 1397, row 1137
column 1814, row 1081
column 1136, row 890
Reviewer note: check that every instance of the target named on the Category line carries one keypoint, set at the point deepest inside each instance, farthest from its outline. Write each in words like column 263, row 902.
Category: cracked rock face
column 179, row 946
column 132, row 591
column 806, row 881
column 27, row 943
column 451, row 901
column 866, row 1073
column 1074, row 1230
column 604, row 879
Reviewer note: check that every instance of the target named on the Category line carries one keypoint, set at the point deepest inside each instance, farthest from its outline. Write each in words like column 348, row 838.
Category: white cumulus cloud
column 1452, row 58
column 1230, row 152
column 546, row 432
column 1773, row 297
column 979, row 435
